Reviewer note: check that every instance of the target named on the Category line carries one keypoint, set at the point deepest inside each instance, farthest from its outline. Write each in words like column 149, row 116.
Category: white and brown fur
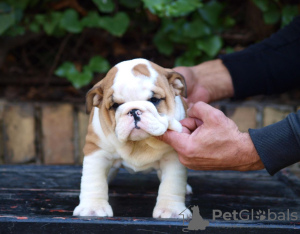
column 114, row 139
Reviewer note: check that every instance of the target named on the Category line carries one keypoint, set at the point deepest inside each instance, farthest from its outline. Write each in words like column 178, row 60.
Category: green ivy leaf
column 271, row 16
column 211, row 45
column 157, row 6
column 22, row 4
column 288, row 13
column 34, row 27
column 116, row 25
column 78, row 79
column 5, row 8
column 66, row 69
column 190, row 57
column 172, row 8
column 98, row 64
column 211, row 12
column 182, row 7
column 92, row 20
column 163, row 44
column 40, row 19
column 18, row 14
column 7, row 17
column 15, row 30
column 52, row 21
column 105, row 5
column 175, row 31
column 263, row 5
column 6, row 21
column 81, row 79
column 228, row 21
column 195, row 29
column 70, row 21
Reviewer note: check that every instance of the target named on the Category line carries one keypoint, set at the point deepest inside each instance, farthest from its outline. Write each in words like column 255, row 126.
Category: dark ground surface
column 41, row 199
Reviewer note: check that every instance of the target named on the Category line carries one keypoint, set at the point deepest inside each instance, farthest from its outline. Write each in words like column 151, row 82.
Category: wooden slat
column 19, row 133
column 58, row 133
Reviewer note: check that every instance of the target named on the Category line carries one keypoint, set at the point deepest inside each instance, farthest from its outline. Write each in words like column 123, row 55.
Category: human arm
column 268, row 67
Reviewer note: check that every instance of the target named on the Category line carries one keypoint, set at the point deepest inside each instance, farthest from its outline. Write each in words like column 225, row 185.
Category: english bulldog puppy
column 136, row 101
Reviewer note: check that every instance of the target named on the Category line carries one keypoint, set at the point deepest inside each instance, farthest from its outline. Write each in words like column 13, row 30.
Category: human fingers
column 175, row 139
column 191, row 123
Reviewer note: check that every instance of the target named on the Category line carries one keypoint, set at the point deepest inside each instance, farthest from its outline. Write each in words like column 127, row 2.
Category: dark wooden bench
column 41, row 199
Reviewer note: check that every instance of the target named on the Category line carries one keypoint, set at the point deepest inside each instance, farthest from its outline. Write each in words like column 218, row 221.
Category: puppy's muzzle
column 135, row 113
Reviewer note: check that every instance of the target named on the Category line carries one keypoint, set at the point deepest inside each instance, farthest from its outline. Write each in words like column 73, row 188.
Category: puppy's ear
column 93, row 97
column 177, row 81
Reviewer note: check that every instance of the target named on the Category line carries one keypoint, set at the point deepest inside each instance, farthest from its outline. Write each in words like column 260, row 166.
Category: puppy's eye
column 115, row 106
column 154, row 100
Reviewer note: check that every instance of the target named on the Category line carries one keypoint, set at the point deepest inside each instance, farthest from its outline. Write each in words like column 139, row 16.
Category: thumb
column 202, row 111
column 175, row 139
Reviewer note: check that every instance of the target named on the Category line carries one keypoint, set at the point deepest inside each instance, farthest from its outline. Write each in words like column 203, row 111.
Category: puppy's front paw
column 99, row 208
column 167, row 209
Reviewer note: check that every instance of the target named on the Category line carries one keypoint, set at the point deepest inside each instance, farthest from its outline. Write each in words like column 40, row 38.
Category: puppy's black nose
column 135, row 113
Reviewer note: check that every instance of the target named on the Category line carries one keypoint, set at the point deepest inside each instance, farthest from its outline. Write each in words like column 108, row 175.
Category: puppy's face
column 136, row 99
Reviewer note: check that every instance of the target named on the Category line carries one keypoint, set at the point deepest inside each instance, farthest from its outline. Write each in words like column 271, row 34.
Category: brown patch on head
column 175, row 79
column 141, row 69
column 176, row 86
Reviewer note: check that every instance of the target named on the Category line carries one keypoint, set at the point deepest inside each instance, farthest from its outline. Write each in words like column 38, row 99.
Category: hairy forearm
column 247, row 153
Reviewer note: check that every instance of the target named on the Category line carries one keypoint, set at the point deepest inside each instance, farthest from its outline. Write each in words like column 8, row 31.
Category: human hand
column 211, row 141
column 207, row 82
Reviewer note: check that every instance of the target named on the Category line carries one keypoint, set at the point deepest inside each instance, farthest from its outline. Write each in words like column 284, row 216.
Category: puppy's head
column 137, row 100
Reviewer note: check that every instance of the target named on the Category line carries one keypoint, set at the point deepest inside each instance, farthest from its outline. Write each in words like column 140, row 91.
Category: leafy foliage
column 190, row 27
column 274, row 12
column 171, row 8
column 81, row 78
column 200, row 33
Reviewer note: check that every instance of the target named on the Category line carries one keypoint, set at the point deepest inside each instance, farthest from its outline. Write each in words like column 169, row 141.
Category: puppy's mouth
column 138, row 134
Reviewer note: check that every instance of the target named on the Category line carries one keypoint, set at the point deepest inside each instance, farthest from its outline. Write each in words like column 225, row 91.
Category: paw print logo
column 261, row 215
